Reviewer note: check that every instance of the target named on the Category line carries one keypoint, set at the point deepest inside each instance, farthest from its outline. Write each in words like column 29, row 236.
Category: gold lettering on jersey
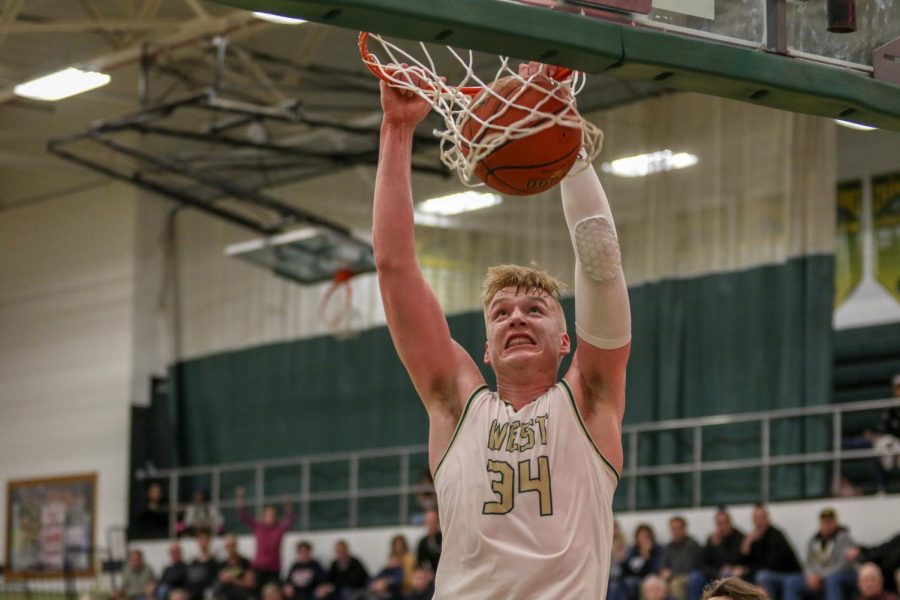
column 542, row 424
column 497, row 435
column 518, row 436
column 527, row 432
column 511, row 445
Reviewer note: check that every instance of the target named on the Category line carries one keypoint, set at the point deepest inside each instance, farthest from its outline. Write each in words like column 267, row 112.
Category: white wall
column 870, row 520
column 66, row 284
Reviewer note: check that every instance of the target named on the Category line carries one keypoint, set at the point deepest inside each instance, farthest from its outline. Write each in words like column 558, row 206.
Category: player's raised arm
column 602, row 312
column 441, row 370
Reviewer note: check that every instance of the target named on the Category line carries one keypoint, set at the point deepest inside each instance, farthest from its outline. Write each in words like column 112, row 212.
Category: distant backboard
column 307, row 255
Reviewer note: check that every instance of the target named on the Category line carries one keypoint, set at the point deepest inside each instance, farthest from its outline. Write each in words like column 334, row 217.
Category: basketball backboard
column 307, row 255
column 776, row 53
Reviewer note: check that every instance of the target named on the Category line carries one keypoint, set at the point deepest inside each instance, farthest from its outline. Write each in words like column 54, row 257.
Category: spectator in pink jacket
column 269, row 532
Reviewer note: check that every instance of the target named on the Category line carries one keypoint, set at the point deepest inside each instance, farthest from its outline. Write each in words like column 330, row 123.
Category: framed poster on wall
column 50, row 526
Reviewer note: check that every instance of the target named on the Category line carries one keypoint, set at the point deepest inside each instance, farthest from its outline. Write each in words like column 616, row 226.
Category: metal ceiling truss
column 228, row 150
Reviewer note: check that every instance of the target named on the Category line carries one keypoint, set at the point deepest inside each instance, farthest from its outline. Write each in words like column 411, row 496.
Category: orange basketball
column 531, row 164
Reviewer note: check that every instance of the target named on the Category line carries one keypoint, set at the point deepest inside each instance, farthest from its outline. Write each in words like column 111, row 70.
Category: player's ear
column 565, row 344
column 487, row 354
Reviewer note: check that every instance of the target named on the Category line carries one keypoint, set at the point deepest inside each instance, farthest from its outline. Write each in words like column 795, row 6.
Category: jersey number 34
column 505, row 487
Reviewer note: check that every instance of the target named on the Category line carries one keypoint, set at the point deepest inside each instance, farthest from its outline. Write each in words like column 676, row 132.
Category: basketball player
column 525, row 474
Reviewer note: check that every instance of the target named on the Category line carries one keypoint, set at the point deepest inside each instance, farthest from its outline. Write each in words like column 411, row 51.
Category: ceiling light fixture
column 646, row 164
column 278, row 19
column 852, row 125
column 61, row 84
column 455, row 204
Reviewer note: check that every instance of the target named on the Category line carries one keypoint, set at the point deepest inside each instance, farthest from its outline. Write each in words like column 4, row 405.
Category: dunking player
column 525, row 475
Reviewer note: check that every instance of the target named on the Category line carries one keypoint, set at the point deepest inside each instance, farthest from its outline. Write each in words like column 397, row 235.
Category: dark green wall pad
column 595, row 46
column 726, row 343
column 865, row 361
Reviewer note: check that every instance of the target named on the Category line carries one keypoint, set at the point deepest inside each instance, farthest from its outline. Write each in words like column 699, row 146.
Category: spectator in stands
column 722, row 553
column 201, row 516
column 153, row 520
column 347, row 577
column 422, row 585
column 178, row 594
column 271, row 591
column 654, row 588
column 641, row 560
column 426, row 500
column 733, row 588
column 400, row 549
column 619, row 549
column 871, row 584
column 768, row 554
column 886, row 556
column 174, row 576
column 268, row 533
column 681, row 563
column 237, row 581
column 203, row 571
column 388, row 583
column 429, row 551
column 136, row 576
column 828, row 572
column 305, row 575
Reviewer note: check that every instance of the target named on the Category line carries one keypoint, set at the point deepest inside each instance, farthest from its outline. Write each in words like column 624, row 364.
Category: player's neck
column 520, row 393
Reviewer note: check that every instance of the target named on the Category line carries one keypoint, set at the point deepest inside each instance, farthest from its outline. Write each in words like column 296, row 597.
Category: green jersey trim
column 584, row 427
column 459, row 425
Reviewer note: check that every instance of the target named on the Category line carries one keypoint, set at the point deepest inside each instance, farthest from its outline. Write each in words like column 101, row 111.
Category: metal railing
column 353, row 492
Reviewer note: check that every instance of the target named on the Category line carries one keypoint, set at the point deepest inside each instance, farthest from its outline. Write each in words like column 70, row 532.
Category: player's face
column 524, row 329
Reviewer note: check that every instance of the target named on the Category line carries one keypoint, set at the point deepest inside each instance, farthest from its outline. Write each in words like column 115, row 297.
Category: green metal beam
column 598, row 46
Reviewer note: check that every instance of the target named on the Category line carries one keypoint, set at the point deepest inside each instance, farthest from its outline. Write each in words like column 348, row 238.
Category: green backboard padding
column 594, row 46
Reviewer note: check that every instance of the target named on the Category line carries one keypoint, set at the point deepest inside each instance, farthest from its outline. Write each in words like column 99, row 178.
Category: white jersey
column 525, row 502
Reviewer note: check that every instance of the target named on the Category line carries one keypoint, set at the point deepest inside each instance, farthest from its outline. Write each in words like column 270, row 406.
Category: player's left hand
column 533, row 68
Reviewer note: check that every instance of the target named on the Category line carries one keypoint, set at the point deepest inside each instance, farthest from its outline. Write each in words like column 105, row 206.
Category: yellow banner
column 848, row 259
column 886, row 231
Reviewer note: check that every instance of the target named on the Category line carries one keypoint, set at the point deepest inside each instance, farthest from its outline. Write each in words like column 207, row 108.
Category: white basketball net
column 455, row 105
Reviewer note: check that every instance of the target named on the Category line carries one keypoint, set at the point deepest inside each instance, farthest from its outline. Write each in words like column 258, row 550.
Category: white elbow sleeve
column 602, row 312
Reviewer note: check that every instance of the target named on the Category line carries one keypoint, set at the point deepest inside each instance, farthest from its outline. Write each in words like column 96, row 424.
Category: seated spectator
column 886, row 556
column 641, row 560
column 237, row 581
column 682, row 559
column 654, row 588
column 429, row 551
column 619, row 548
column 201, row 516
column 733, row 588
column 174, row 576
column 152, row 522
column 426, row 500
column 400, row 549
column 178, row 594
column 388, row 583
column 347, row 577
column 871, row 584
column 828, row 572
column 271, row 591
column 722, row 553
column 305, row 575
column 203, row 571
column 768, row 554
column 268, row 533
column 422, row 585
column 136, row 576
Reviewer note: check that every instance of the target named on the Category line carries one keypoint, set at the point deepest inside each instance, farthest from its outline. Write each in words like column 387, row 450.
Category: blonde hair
column 522, row 278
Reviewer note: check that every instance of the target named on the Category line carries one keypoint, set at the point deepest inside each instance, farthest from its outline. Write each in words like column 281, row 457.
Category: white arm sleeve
column 602, row 312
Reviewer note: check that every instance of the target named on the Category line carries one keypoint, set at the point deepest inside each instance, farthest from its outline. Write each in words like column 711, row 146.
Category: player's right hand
column 403, row 106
